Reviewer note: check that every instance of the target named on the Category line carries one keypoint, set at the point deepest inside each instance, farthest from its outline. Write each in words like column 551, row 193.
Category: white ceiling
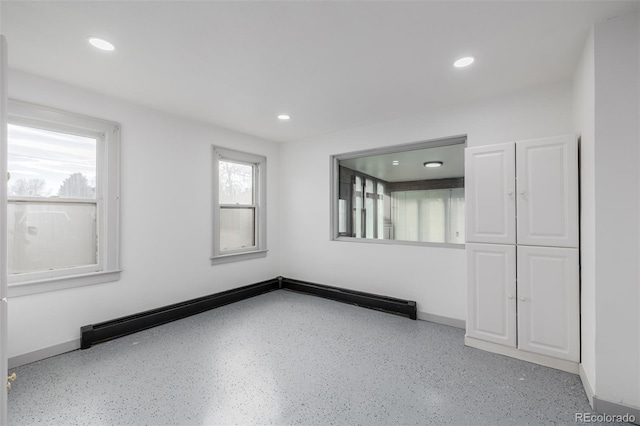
column 329, row 64
column 411, row 164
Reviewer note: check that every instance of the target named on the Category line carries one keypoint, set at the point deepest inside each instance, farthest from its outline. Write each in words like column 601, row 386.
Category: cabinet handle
column 510, row 296
column 522, row 298
column 510, row 193
column 522, row 192
column 10, row 379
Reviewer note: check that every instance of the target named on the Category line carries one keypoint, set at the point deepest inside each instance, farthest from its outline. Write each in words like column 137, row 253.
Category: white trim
column 603, row 406
column 439, row 319
column 334, row 191
column 42, row 276
column 44, row 353
column 259, row 162
column 400, row 242
column 62, row 283
column 547, row 361
column 616, row 409
column 586, row 385
column 234, row 257
column 391, row 149
column 54, row 119
column 107, row 135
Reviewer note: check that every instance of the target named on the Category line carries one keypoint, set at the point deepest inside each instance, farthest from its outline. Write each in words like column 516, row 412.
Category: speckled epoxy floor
column 287, row 358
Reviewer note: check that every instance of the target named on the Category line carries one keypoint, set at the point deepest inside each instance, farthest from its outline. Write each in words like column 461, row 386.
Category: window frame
column 259, row 249
column 107, row 134
column 335, row 235
column 376, row 200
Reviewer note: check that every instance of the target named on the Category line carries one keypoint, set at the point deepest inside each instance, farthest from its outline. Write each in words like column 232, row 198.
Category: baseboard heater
column 366, row 300
column 108, row 330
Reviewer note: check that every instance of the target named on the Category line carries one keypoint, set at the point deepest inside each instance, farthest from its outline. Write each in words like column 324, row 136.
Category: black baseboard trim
column 104, row 331
column 368, row 300
column 108, row 330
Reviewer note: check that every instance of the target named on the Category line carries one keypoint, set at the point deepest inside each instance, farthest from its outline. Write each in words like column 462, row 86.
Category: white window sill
column 26, row 288
column 401, row 242
column 235, row 257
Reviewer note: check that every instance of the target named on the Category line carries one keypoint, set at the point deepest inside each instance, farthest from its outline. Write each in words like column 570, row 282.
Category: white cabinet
column 490, row 194
column 544, row 301
column 547, row 182
column 537, row 178
column 548, row 301
column 522, row 255
column 491, row 311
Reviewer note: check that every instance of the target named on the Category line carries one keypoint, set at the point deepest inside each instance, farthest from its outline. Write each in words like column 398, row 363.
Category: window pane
column 432, row 224
column 435, row 216
column 456, row 216
column 50, row 236
column 342, row 216
column 357, row 209
column 237, row 228
column 370, row 215
column 236, row 183
column 43, row 163
column 380, row 202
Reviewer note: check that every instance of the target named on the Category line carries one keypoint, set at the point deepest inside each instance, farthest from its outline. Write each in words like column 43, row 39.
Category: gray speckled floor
column 287, row 358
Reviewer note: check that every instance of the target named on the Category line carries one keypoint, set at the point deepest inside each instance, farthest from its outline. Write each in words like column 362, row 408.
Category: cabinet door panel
column 547, row 181
column 548, row 301
column 489, row 194
column 491, row 306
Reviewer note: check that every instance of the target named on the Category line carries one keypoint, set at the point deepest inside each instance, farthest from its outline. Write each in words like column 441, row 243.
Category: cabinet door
column 548, row 301
column 547, row 182
column 490, row 194
column 491, row 303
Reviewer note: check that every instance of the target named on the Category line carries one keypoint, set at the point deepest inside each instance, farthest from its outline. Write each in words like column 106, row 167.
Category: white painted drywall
column 165, row 219
column 617, row 203
column 434, row 277
column 584, row 123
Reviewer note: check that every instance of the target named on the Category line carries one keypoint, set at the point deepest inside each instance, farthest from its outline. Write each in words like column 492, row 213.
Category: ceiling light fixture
column 283, row 117
column 101, row 44
column 395, row 162
column 463, row 62
column 433, row 164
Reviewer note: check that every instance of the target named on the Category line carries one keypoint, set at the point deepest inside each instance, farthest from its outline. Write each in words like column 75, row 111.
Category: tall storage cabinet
column 522, row 250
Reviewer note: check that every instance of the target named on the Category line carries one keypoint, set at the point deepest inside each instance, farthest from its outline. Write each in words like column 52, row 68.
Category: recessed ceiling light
column 395, row 162
column 433, row 164
column 463, row 62
column 101, row 44
column 283, row 117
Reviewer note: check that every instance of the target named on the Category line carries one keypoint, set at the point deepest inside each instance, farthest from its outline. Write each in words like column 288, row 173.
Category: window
column 62, row 211
column 434, row 215
column 239, row 213
column 395, row 194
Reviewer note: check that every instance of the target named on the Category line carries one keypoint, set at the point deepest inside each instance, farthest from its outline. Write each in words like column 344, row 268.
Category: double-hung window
column 239, row 214
column 62, row 211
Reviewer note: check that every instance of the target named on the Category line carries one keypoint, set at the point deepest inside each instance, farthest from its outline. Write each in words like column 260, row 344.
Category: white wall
column 617, row 208
column 584, row 124
column 165, row 219
column 434, row 277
